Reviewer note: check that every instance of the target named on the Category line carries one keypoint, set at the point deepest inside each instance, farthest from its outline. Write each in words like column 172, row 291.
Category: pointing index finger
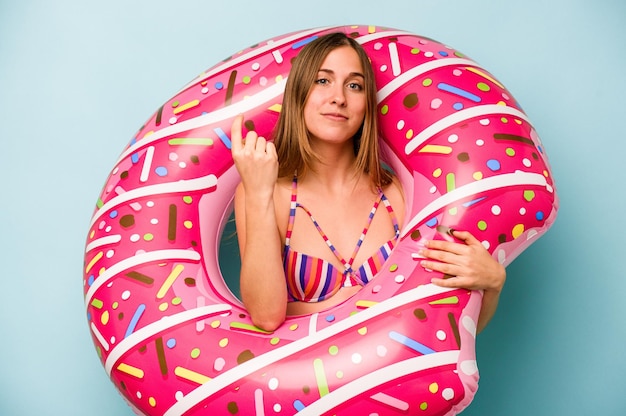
column 235, row 133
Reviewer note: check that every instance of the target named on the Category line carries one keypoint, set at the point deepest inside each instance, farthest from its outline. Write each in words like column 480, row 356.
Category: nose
column 338, row 95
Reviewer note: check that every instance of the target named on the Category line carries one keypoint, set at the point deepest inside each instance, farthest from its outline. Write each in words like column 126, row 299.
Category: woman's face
column 336, row 105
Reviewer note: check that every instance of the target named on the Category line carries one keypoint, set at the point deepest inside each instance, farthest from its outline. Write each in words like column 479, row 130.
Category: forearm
column 262, row 281
column 488, row 308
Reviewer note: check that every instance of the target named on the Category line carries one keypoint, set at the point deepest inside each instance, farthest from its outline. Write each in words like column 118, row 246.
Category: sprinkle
column 193, row 141
column 161, row 355
column 93, row 261
column 395, row 59
column 130, row 370
column 247, row 327
column 133, row 322
column 187, row 106
column 140, row 277
column 455, row 329
column 320, row 376
column 434, row 148
column 391, row 401
column 176, row 271
column 230, row 88
column 458, row 91
column 411, row 343
column 302, row 43
column 484, row 75
column 452, row 300
column 259, row 406
column 191, row 375
column 223, row 137
column 364, row 304
column 171, row 227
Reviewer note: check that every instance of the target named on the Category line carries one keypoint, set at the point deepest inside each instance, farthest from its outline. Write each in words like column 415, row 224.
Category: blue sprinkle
column 540, row 149
column 303, row 42
column 330, row 318
column 475, row 201
column 411, row 343
column 457, row 91
column 432, row 222
column 443, row 53
column 539, row 215
column 171, row 343
column 298, row 405
column 457, row 106
column 88, row 316
column 219, row 85
column 113, row 214
column 161, row 171
column 90, row 280
column 133, row 322
column 223, row 137
column 493, row 164
column 134, row 158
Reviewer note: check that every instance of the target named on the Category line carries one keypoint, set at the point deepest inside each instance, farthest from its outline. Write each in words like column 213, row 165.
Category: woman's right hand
column 255, row 159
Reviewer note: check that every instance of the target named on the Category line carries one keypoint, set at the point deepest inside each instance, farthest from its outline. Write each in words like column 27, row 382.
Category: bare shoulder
column 395, row 195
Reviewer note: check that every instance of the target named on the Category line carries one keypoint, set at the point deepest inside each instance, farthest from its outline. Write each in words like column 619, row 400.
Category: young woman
column 316, row 213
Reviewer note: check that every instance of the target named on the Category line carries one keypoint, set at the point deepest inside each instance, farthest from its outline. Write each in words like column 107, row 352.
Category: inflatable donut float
column 174, row 339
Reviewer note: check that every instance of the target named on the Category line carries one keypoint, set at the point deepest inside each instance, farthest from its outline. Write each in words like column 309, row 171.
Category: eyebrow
column 352, row 74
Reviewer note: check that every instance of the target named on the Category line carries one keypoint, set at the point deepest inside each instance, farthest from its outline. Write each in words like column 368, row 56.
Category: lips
column 335, row 116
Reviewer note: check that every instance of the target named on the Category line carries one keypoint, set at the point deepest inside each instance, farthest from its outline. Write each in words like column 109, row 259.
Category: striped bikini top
column 311, row 279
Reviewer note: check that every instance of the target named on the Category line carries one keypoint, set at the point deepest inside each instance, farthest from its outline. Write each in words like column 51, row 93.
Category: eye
column 355, row 86
column 322, row 81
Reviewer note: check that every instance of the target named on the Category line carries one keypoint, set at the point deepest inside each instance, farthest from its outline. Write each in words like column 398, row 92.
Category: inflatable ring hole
column 228, row 259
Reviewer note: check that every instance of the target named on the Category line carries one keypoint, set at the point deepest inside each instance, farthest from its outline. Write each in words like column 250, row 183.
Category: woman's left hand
column 468, row 265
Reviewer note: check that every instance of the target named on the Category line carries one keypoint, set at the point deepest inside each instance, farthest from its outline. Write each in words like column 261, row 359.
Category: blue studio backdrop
column 78, row 78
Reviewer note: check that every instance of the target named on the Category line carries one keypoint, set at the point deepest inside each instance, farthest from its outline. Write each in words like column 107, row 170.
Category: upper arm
column 240, row 217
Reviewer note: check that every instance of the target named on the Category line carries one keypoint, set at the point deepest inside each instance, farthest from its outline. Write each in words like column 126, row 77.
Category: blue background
column 78, row 78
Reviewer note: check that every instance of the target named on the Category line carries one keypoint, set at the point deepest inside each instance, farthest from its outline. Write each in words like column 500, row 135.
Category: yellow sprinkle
column 362, row 331
column 477, row 176
column 163, row 307
column 409, row 134
column 170, row 280
column 518, row 230
column 276, row 108
column 105, row 318
column 92, row 233
column 452, row 300
column 93, row 261
column 364, row 304
column 247, row 327
column 215, row 324
column 371, row 29
column 191, row 375
column 223, row 342
column 152, row 401
column 484, row 75
column 437, row 172
column 293, row 327
column 435, row 148
column 320, row 376
column 433, row 388
column 187, row 106
column 130, row 370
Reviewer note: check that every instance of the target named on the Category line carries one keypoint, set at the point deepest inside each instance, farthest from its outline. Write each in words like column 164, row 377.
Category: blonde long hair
column 291, row 135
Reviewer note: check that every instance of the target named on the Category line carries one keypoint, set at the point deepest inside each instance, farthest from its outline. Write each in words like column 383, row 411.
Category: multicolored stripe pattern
column 312, row 279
